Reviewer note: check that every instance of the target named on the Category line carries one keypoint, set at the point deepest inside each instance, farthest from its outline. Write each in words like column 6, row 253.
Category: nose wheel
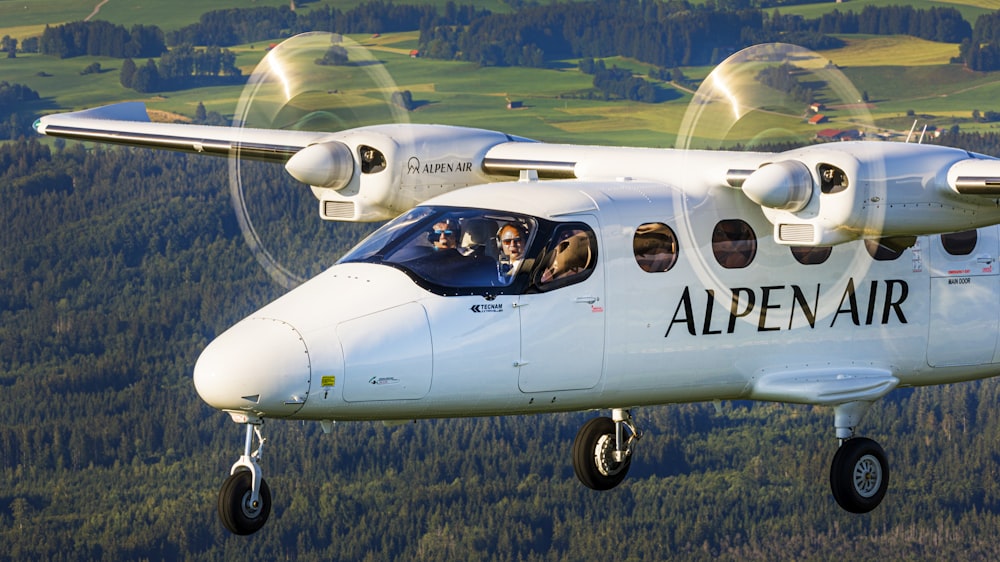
column 245, row 499
column 238, row 510
column 602, row 450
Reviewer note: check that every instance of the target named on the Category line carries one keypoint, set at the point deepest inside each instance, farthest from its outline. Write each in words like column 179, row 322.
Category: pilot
column 444, row 236
column 512, row 238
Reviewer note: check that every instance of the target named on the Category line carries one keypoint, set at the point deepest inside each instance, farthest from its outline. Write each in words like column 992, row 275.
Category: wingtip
column 125, row 111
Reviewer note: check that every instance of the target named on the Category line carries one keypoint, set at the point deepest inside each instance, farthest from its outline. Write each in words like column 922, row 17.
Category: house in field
column 832, row 135
column 817, row 119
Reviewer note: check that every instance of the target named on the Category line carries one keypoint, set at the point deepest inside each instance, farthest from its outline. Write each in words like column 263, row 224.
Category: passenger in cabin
column 571, row 255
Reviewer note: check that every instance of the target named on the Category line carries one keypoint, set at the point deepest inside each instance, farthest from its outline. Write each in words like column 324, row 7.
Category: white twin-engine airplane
column 603, row 278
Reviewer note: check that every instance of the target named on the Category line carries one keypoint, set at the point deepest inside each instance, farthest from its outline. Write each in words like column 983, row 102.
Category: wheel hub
column 251, row 509
column 604, row 456
column 867, row 476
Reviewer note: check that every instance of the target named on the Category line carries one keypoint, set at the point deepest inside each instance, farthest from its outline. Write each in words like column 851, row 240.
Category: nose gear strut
column 245, row 499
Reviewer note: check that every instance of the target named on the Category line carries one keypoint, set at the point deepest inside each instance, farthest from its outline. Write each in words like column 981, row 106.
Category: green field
column 898, row 74
column 970, row 9
column 23, row 18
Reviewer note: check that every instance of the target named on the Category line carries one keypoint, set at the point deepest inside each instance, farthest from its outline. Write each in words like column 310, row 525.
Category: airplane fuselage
column 373, row 343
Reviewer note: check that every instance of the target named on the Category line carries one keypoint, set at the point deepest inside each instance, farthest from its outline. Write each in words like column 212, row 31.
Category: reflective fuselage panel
column 399, row 330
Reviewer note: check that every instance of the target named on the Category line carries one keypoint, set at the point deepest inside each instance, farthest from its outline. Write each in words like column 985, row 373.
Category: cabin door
column 562, row 323
column 965, row 298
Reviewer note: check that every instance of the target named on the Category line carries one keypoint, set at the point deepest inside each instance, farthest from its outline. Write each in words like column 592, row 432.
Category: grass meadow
column 970, row 9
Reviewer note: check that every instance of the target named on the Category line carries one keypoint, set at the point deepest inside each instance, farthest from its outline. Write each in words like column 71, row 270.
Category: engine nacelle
column 375, row 173
column 830, row 194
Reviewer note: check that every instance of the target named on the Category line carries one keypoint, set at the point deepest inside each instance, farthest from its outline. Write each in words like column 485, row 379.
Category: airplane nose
column 260, row 365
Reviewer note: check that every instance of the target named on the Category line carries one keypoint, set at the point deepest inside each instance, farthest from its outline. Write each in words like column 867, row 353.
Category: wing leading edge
column 129, row 124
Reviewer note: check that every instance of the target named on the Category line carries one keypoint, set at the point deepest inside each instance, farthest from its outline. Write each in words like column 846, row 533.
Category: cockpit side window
column 453, row 251
column 655, row 247
column 734, row 243
column 569, row 257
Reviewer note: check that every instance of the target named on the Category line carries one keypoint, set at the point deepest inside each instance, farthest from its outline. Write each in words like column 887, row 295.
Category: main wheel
column 859, row 475
column 238, row 514
column 593, row 455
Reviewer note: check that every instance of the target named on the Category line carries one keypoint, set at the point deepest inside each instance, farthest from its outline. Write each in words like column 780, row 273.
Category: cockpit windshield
column 452, row 248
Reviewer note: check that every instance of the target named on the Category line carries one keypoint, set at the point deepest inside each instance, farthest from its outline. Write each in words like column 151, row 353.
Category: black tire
column 234, row 504
column 859, row 475
column 592, row 460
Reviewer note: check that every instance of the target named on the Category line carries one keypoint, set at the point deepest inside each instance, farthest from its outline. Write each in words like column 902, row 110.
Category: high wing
column 820, row 195
column 128, row 123
column 363, row 174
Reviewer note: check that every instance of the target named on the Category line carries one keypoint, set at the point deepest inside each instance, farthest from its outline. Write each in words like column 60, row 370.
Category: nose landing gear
column 602, row 453
column 245, row 499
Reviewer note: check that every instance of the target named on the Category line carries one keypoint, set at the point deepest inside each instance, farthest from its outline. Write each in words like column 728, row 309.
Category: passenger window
column 734, row 244
column 888, row 249
column 960, row 243
column 569, row 257
column 811, row 255
column 655, row 247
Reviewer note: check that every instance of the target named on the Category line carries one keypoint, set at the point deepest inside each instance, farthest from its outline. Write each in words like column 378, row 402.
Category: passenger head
column 512, row 240
column 570, row 256
column 444, row 235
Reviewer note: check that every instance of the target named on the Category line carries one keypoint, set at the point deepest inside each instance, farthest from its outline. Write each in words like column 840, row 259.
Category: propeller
column 322, row 82
column 775, row 95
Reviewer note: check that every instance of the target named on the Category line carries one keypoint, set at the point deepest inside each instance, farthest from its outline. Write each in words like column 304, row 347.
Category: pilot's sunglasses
column 509, row 241
column 445, row 232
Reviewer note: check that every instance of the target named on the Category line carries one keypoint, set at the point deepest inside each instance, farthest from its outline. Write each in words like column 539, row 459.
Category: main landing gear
column 859, row 474
column 602, row 450
column 245, row 499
